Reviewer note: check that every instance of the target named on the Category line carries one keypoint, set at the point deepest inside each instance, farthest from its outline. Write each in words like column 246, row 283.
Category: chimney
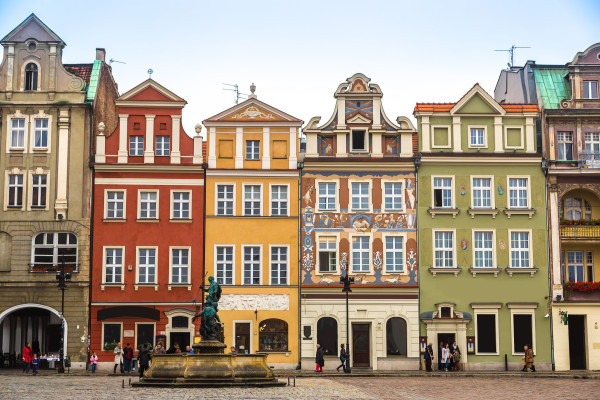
column 101, row 54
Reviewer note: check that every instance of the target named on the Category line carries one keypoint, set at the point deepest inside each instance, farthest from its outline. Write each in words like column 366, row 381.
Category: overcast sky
column 298, row 52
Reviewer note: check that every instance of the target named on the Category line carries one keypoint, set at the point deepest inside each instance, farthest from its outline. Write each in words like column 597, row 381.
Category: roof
column 23, row 31
column 93, row 84
column 552, row 85
column 84, row 71
column 446, row 107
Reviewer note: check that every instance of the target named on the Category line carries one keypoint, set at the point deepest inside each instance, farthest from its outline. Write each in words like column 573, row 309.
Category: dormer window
column 590, row 89
column 31, row 77
column 359, row 140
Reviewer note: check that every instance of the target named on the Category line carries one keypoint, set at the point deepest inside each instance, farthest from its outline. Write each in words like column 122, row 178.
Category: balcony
column 577, row 232
column 582, row 291
column 589, row 159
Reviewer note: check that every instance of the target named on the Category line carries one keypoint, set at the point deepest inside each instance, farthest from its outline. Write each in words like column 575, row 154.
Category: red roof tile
column 84, row 71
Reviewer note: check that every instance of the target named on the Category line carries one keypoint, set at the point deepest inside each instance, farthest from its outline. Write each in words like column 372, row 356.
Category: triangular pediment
column 359, row 119
column 477, row 101
column 32, row 28
column 252, row 110
column 150, row 90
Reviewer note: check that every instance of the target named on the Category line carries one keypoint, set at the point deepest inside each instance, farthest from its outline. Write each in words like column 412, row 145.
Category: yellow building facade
column 252, row 228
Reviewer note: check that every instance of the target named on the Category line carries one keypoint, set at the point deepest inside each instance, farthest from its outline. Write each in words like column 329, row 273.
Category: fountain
column 209, row 366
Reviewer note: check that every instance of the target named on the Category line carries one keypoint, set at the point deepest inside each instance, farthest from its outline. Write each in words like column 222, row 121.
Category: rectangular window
column 181, row 205
column 252, row 199
column 148, row 203
column 17, row 133
column 252, row 265
column 279, row 265
column 483, row 246
column 15, row 190
column 136, row 145
column 224, row 265
column 162, row 145
column 592, row 143
column 225, row 200
column 327, row 196
column 482, row 193
column 327, row 254
column 252, row 149
column 477, row 136
column 144, row 335
column 360, row 196
column 41, row 134
column 115, row 204
column 442, row 192
column 279, row 200
column 359, row 140
column 112, row 334
column 147, row 266
column 518, row 192
column 519, row 250
column 590, row 89
column 576, row 266
column 589, row 261
column 565, row 145
column 180, row 265
column 394, row 254
column 486, row 333
column 38, row 191
column 113, row 266
column 444, row 249
column 522, row 332
column 360, row 254
column 392, row 196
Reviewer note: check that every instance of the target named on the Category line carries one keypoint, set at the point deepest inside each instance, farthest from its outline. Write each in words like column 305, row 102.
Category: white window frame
column 589, row 141
column 137, row 264
column 561, row 142
column 492, row 193
column 31, row 174
column 55, row 246
column 33, row 118
column 161, row 148
column 366, row 140
column 106, row 191
column 252, row 150
column 529, row 205
column 41, row 131
column 241, row 321
column 139, row 207
column 287, row 200
column 9, row 119
column 519, row 147
column 7, row 173
column 485, row 137
column 492, row 310
column 454, row 244
column 493, row 250
column 189, row 264
column 452, row 190
column 402, row 236
column 369, row 184
column 232, row 246
column 260, row 265
column 104, row 265
column 449, row 128
column 233, row 200
column 510, row 248
column 351, row 269
column 102, row 336
column 137, row 143
column 337, row 195
column 522, row 309
column 587, row 94
column 318, row 236
column 23, row 130
column 261, row 197
column 287, row 278
column 172, row 197
column 402, row 183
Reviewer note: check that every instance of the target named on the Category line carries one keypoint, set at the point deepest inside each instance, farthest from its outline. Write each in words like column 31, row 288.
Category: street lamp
column 62, row 277
column 346, row 281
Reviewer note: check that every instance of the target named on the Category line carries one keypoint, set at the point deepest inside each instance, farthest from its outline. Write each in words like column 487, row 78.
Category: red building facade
column 148, row 225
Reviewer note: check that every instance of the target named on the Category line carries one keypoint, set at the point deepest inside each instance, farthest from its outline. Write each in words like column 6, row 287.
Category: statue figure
column 208, row 315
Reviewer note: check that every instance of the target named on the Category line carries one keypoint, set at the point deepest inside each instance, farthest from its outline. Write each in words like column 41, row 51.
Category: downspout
column 417, row 162
column 299, row 366
column 549, row 263
column 91, row 164
column 204, row 167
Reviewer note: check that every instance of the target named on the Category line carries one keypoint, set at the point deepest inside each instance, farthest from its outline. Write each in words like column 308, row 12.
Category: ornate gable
column 252, row 110
column 591, row 56
column 32, row 28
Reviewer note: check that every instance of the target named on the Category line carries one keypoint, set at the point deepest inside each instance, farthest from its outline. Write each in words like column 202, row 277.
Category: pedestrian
column 445, row 356
column 26, row 357
column 144, row 359
column 93, row 361
column 189, row 350
column 160, row 348
column 177, row 349
column 127, row 357
column 118, row 358
column 319, row 359
column 457, row 356
column 233, row 350
column 428, row 356
column 343, row 357
column 440, row 349
column 528, row 359
column 35, row 363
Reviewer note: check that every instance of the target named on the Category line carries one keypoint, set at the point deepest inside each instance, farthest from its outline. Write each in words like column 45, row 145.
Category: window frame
column 369, row 196
column 560, row 142
column 508, row 189
column 402, row 183
column 520, row 146
column 11, row 145
column 351, row 269
column 37, row 79
column 407, row 334
column 129, row 153
column 252, row 150
column 7, row 187
column 492, row 193
column 139, row 207
column 260, row 201
column 216, row 261
column 135, row 338
column 492, row 310
column 171, row 265
column 46, row 198
column 336, row 182
column 584, row 95
column 287, row 264
column 530, row 250
column 403, row 239
column 522, row 309
column 287, row 200
column 162, row 146
column 233, row 199
column 454, row 251
column 102, row 336
column 452, row 192
column 189, row 201
column 55, row 247
column 493, row 249
column 366, row 147
column 318, row 236
column 260, row 264
column 137, row 265
column 432, row 133
column 40, row 117
column 287, row 347
column 106, row 200
column 485, row 137
column 104, row 264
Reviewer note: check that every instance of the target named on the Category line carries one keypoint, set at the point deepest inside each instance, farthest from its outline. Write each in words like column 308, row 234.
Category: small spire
column 252, row 89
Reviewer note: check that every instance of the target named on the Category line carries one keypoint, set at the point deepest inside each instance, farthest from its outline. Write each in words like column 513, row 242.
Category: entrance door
column 181, row 338
column 361, row 345
column 447, row 338
column 577, row 342
column 242, row 337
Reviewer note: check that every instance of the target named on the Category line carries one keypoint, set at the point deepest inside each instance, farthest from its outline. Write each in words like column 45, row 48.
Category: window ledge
column 40, row 149
column 482, row 211
column 287, row 353
column 105, row 285
column 17, row 149
column 17, row 208
column 148, row 220
column 181, row 220
column 139, row 285
column 484, row 270
column 38, row 208
column 529, row 270
column 443, row 211
column 448, row 270
column 114, row 220
column 519, row 211
column 179, row 285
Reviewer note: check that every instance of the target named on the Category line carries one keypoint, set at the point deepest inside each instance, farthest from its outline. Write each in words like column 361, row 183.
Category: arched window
column 31, row 77
column 51, row 249
column 396, row 337
column 327, row 335
column 576, row 208
column 273, row 335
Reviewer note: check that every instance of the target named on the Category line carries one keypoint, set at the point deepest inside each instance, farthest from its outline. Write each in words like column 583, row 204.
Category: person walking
column 118, row 358
column 528, row 359
column 35, row 363
column 440, row 349
column 456, row 355
column 319, row 359
column 343, row 358
column 127, row 357
column 445, row 356
column 93, row 361
column 428, row 357
column 160, row 348
column 26, row 357
column 144, row 359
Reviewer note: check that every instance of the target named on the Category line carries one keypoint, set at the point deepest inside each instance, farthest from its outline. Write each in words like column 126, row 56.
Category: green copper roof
column 552, row 86
column 91, row 91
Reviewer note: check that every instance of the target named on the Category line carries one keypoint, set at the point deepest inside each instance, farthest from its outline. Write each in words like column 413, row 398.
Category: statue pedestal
column 209, row 347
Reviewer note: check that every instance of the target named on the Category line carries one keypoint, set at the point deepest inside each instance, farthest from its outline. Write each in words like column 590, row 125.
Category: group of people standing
column 448, row 357
column 124, row 357
column 30, row 360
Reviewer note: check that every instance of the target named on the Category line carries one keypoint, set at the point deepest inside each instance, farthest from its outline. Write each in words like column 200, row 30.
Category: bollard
column 506, row 362
column 288, row 381
column 245, row 384
column 129, row 381
column 123, row 384
column 294, row 381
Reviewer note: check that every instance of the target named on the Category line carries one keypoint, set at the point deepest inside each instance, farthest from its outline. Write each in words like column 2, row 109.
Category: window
column 148, row 205
column 115, row 205
column 482, row 192
column 483, row 244
column 162, row 145
column 252, row 199
column 486, row 333
column 251, row 265
column 565, row 145
column 519, row 250
column 17, row 133
column 360, row 196
column 180, row 265
column 38, row 191
column 31, row 77
column 41, row 134
column 144, row 335
column 279, row 200
column 444, row 249
column 360, row 254
column 113, row 266
column 181, row 205
column 279, row 265
column 592, row 144
column 327, row 196
column 522, row 332
column 477, row 137
column 225, row 199
column 180, row 322
column 518, row 192
column 224, row 265
column 442, row 192
column 590, row 89
column 359, row 140
column 589, row 260
column 51, row 249
column 273, row 335
column 395, row 329
column 327, row 254
column 392, row 196
column 445, row 312
column 580, row 269
column 252, row 149
column 15, row 191
column 136, row 145
column 112, row 334
column 327, row 335
column 394, row 254
column 147, row 266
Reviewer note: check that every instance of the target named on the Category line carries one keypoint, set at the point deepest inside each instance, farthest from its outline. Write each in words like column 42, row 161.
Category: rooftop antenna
column 112, row 60
column 150, row 72
column 238, row 95
column 511, row 53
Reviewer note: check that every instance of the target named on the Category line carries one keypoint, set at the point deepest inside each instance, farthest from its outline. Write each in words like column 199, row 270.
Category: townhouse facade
column 359, row 219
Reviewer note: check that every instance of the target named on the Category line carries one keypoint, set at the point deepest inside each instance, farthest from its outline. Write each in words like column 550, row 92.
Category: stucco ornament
column 252, row 113
column 502, row 245
column 101, row 127
column 412, row 259
column 377, row 262
column 464, row 244
column 307, row 261
column 344, row 261
column 198, row 128
column 271, row 302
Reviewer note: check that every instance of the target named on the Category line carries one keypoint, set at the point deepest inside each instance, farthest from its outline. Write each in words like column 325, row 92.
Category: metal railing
column 580, row 231
column 589, row 159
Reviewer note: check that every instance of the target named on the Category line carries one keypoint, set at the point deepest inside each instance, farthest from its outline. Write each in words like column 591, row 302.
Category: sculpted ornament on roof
column 252, row 113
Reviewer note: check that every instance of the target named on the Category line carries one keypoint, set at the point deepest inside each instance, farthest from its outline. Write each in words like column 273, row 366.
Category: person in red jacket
column 127, row 357
column 26, row 357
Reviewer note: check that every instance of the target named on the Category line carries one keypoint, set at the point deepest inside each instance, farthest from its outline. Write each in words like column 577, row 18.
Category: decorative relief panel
column 270, row 302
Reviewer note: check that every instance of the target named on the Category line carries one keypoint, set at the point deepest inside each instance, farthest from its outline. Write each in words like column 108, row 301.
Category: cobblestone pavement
column 52, row 387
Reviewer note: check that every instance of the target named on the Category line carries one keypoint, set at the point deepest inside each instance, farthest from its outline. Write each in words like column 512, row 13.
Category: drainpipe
column 299, row 366
column 204, row 167
column 417, row 162
column 549, row 261
column 91, row 164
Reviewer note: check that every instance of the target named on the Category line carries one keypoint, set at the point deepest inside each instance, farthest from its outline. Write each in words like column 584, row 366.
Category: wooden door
column 361, row 345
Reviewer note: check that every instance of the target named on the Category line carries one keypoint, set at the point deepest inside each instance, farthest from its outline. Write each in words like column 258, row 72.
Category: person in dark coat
column 441, row 349
column 343, row 357
column 428, row 356
column 127, row 357
column 319, row 359
column 144, row 359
